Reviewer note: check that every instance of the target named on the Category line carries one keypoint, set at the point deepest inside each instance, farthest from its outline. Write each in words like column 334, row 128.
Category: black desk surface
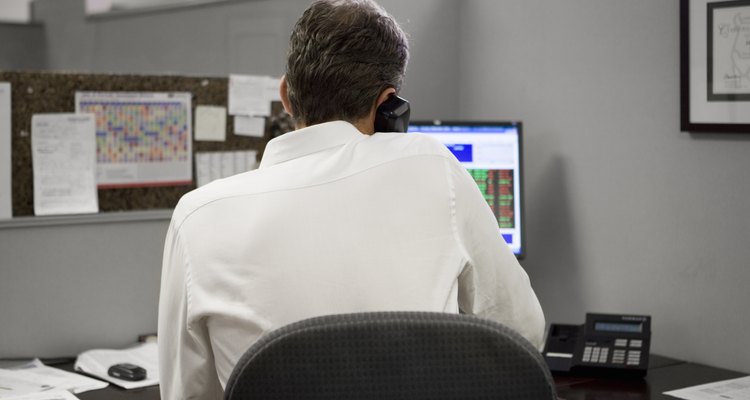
column 664, row 374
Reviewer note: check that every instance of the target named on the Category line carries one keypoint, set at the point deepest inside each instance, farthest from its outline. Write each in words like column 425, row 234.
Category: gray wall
column 626, row 214
column 241, row 37
column 65, row 289
column 22, row 46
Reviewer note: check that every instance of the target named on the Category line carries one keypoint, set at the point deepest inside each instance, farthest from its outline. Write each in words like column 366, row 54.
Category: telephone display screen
column 627, row 327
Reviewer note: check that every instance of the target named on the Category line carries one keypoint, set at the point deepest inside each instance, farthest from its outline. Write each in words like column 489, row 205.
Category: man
column 337, row 219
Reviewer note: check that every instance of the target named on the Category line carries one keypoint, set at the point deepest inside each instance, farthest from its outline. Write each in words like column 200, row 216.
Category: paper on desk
column 63, row 157
column 731, row 389
column 51, row 395
column 14, row 383
column 60, row 379
column 97, row 362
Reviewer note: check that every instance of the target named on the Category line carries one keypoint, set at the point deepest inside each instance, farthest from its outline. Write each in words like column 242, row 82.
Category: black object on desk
column 127, row 371
column 607, row 345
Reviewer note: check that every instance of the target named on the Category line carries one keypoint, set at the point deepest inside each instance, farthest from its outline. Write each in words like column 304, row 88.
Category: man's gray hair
column 342, row 55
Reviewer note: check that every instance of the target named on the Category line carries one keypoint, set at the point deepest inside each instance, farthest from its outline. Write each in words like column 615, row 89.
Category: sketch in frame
column 728, row 54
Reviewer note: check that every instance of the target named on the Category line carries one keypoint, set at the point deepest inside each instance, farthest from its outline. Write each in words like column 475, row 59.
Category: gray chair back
column 391, row 355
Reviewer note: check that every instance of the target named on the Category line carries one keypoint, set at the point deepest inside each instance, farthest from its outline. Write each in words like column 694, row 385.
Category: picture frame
column 715, row 66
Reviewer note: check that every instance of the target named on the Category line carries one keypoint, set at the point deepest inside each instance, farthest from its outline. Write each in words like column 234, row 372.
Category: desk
column 664, row 374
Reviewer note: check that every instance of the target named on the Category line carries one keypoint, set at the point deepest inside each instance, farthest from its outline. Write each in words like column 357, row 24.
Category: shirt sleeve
column 493, row 284
column 186, row 364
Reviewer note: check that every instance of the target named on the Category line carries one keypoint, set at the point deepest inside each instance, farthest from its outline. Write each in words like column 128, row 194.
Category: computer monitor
column 492, row 154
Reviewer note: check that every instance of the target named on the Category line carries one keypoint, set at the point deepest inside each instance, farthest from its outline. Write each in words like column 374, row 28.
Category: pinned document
column 63, row 155
column 211, row 123
column 249, row 126
column 273, row 86
column 6, row 202
column 249, row 95
column 210, row 166
column 142, row 138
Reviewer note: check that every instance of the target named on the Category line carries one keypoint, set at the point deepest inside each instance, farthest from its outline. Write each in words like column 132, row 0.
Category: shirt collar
column 311, row 139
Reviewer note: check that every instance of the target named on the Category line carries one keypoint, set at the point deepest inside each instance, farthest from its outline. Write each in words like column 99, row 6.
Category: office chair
column 391, row 355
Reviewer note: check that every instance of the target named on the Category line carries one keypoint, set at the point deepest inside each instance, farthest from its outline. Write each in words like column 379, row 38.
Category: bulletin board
column 54, row 92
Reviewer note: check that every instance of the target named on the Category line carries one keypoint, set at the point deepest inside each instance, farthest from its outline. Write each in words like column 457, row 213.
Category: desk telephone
column 609, row 345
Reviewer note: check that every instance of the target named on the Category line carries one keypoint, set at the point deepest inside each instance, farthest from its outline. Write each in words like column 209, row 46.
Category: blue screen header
column 463, row 152
column 464, row 128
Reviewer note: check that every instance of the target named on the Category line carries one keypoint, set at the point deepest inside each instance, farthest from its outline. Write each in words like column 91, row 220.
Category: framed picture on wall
column 715, row 65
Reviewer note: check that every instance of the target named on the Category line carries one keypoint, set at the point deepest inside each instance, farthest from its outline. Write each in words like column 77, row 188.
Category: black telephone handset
column 392, row 115
column 606, row 345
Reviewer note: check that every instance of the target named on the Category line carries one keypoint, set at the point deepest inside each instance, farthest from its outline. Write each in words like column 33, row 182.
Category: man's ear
column 384, row 95
column 284, row 92
column 367, row 125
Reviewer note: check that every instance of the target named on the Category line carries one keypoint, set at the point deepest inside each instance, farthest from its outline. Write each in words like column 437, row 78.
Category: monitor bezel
column 519, row 125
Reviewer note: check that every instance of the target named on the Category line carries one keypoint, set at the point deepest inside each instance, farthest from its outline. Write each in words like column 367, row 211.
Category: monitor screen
column 492, row 154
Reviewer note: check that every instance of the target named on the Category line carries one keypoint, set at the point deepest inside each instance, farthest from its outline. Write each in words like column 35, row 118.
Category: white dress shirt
column 333, row 221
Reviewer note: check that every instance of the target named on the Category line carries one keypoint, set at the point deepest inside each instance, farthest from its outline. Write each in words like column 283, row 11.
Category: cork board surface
column 54, row 92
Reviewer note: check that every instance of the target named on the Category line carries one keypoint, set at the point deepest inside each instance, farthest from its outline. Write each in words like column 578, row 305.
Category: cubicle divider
column 55, row 92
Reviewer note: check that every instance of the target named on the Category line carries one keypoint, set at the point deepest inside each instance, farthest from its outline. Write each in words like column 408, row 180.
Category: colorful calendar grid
column 142, row 138
column 140, row 132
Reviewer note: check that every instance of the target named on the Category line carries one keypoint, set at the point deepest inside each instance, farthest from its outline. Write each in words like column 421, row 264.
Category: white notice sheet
column 63, row 156
column 249, row 126
column 272, row 89
column 249, row 95
column 732, row 389
column 211, row 123
column 6, row 211
column 210, row 166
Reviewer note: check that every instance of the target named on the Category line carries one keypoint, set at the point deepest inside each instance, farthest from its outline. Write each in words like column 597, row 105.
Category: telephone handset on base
column 392, row 115
column 606, row 345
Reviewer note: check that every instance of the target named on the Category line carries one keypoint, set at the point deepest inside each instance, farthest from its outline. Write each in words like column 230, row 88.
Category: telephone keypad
column 587, row 354
column 634, row 357
column 603, row 355
column 595, row 354
column 618, row 357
